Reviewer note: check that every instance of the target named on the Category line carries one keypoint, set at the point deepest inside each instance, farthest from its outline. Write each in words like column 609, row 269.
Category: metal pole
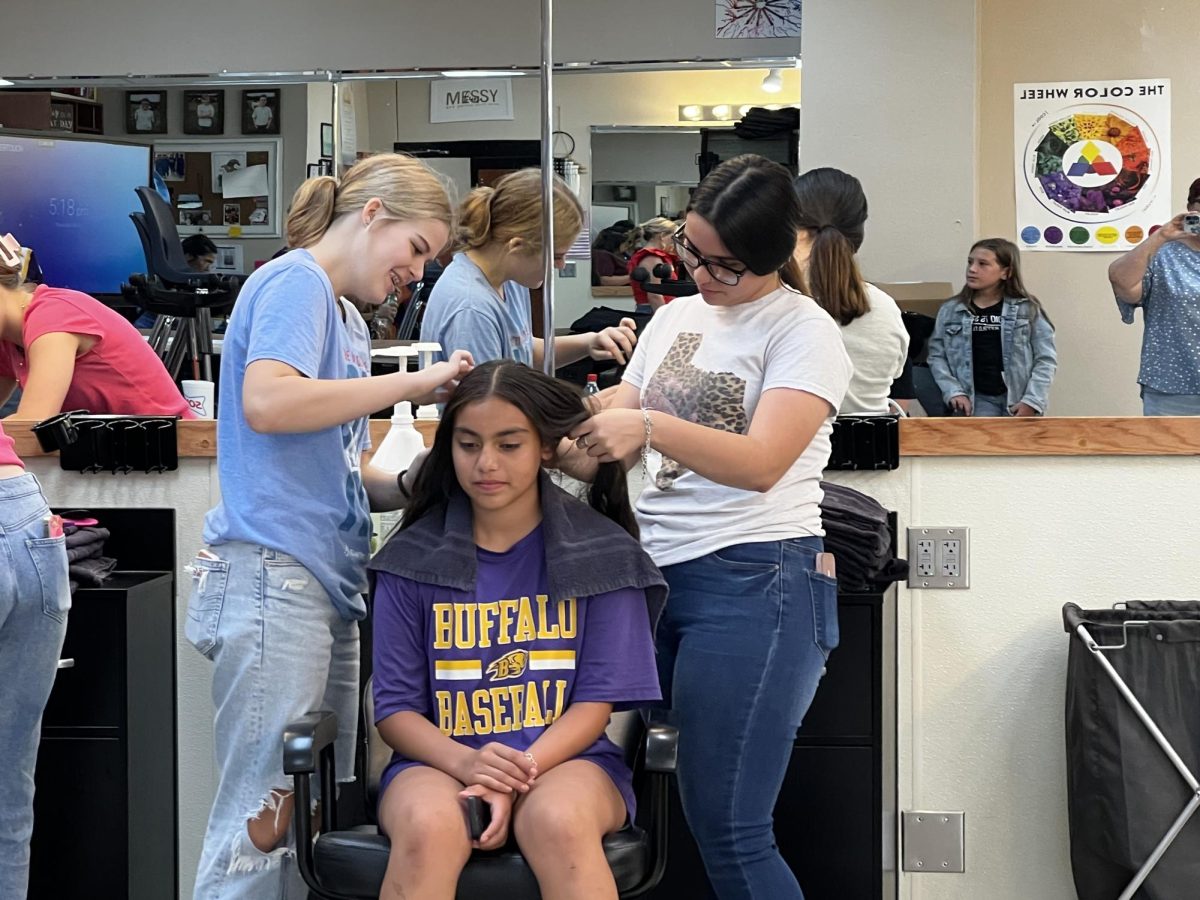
column 335, row 164
column 548, row 186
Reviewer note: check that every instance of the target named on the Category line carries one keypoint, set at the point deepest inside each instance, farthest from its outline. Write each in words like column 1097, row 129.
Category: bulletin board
column 194, row 173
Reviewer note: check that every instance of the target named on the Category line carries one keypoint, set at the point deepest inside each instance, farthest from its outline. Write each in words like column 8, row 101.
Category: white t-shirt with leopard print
column 709, row 365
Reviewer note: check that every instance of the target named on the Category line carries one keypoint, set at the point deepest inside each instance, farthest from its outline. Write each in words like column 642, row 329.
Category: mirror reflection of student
column 67, row 350
column 201, row 254
column 992, row 349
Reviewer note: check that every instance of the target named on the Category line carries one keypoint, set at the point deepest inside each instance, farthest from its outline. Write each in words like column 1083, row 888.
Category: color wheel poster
column 1092, row 159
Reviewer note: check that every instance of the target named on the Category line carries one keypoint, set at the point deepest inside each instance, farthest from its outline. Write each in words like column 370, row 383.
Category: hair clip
column 12, row 254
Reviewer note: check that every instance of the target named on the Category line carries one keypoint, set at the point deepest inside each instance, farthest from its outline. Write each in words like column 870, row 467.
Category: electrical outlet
column 938, row 557
column 948, row 555
column 923, row 558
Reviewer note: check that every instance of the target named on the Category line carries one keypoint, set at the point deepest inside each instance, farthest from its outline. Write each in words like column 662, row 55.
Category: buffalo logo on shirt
column 510, row 665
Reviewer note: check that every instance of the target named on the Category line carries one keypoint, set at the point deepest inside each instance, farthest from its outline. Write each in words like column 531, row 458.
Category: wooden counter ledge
column 1116, row 436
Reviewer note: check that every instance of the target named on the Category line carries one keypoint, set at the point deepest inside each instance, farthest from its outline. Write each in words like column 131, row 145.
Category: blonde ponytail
column 312, row 211
column 475, row 219
column 513, row 209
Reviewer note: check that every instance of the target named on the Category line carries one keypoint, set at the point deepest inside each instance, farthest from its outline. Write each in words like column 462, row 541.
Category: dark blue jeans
column 741, row 648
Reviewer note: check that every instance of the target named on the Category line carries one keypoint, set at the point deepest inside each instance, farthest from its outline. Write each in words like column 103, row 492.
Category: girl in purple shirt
column 496, row 673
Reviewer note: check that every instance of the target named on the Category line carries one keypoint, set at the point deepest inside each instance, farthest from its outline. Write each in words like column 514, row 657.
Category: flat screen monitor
column 69, row 201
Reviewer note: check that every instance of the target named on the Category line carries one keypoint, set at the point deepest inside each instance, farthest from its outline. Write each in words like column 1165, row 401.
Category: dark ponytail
column 833, row 209
column 553, row 407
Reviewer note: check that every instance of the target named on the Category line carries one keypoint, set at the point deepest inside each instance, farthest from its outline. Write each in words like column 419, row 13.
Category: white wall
column 320, row 109
column 889, row 96
column 135, row 36
column 982, row 671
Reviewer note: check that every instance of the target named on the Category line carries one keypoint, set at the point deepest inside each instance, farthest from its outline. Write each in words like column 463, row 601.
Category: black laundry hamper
column 1133, row 750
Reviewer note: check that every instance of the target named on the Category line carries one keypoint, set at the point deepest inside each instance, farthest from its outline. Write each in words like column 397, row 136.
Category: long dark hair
column 834, row 208
column 750, row 203
column 553, row 408
column 1009, row 257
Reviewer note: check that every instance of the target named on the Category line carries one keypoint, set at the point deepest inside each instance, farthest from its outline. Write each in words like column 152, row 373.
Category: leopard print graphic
column 679, row 388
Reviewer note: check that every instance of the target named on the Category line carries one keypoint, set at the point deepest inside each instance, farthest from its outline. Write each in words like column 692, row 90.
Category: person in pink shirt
column 34, row 600
column 69, row 351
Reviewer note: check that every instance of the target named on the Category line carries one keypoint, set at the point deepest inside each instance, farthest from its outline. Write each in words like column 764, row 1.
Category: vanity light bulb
column 773, row 82
column 691, row 112
column 743, row 109
column 721, row 112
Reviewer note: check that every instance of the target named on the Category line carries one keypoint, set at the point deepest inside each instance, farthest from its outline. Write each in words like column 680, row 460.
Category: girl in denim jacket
column 992, row 349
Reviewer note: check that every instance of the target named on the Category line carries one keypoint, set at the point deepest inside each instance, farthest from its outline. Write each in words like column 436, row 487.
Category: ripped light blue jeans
column 280, row 650
column 34, row 599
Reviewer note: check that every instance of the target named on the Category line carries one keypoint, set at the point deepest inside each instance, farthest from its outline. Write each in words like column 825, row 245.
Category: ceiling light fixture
column 772, row 83
column 482, row 73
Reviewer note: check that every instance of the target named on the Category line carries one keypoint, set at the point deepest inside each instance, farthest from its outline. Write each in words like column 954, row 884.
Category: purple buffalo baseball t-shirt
column 502, row 663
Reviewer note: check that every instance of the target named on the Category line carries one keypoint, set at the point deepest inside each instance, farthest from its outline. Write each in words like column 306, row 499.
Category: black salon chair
column 350, row 864
column 183, row 299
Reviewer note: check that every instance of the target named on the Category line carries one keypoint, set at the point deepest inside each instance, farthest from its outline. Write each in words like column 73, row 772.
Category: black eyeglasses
column 693, row 260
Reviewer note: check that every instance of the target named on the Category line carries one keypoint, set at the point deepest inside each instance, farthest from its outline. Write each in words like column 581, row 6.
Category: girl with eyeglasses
column 729, row 402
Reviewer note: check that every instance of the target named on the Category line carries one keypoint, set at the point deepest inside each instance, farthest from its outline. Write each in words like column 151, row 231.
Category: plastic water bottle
column 592, row 386
column 402, row 443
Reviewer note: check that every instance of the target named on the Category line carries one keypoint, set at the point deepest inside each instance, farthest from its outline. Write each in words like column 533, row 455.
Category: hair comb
column 12, row 254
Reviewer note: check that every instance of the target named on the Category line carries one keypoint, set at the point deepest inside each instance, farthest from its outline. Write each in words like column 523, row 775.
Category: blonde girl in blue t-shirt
column 277, row 594
column 481, row 301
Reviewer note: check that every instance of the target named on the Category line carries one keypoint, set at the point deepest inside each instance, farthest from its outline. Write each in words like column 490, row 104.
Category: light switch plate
column 934, row 842
column 939, row 557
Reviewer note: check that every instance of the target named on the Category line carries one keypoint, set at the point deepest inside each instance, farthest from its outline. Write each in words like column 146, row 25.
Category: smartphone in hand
column 1191, row 224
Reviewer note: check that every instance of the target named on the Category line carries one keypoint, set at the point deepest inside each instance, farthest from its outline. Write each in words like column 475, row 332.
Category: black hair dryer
column 666, row 288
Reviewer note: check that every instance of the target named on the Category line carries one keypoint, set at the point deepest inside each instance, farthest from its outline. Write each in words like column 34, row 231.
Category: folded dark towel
column 92, row 572
column 87, row 551
column 90, row 535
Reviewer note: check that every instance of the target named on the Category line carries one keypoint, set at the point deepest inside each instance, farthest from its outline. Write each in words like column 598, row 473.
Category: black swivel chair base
column 350, row 864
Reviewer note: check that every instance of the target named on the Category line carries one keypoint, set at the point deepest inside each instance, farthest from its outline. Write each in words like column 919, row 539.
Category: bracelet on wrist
column 648, row 423
column 400, row 485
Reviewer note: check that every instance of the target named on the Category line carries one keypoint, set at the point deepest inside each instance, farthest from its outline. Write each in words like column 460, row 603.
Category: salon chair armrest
column 662, row 748
column 305, row 739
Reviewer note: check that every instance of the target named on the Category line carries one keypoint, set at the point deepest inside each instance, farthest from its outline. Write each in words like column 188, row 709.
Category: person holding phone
column 1162, row 276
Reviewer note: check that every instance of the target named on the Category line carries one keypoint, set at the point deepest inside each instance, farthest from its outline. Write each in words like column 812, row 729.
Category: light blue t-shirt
column 466, row 313
column 301, row 494
column 1171, row 311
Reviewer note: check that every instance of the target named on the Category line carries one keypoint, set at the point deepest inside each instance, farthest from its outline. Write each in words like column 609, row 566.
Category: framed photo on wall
column 146, row 112
column 203, row 112
column 260, row 111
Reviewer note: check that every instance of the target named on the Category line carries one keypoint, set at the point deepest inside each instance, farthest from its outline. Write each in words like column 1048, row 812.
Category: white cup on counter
column 201, row 398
